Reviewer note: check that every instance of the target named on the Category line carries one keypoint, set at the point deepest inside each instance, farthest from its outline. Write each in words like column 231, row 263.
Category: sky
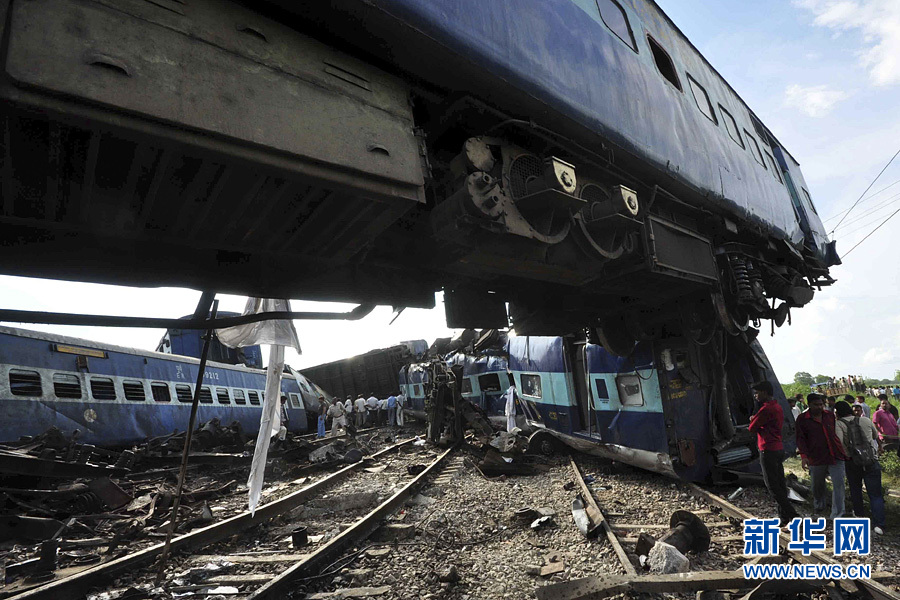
column 823, row 75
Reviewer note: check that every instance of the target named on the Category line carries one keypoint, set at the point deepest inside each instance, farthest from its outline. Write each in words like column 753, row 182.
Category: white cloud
column 879, row 23
column 814, row 100
column 878, row 356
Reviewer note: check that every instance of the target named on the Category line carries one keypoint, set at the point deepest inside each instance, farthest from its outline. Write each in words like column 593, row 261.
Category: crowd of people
column 838, row 438
column 350, row 415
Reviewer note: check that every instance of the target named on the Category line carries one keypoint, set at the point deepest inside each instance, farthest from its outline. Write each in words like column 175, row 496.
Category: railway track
column 625, row 521
column 275, row 565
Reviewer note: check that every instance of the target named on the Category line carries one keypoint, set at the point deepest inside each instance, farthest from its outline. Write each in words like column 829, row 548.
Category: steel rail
column 53, row 318
column 280, row 585
column 76, row 586
column 596, row 515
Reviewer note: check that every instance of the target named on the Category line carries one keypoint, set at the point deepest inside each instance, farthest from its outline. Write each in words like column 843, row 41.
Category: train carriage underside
column 211, row 146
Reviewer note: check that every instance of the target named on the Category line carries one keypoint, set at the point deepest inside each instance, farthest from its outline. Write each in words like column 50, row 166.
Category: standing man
column 392, row 410
column 360, row 408
column 401, row 404
column 348, row 410
column 885, row 422
column 857, row 434
column 795, row 410
column 767, row 424
column 822, row 454
column 336, row 412
column 320, row 429
column 861, row 403
column 829, row 403
column 372, row 408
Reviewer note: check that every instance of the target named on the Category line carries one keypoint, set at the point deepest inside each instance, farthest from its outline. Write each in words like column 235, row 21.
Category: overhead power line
column 869, row 197
column 870, row 233
column 886, row 203
column 866, row 190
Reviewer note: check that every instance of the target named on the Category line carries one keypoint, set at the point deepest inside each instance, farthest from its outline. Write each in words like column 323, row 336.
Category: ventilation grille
column 523, row 169
column 593, row 193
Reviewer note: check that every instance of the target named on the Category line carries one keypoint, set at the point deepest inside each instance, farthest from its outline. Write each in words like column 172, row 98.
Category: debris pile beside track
column 65, row 507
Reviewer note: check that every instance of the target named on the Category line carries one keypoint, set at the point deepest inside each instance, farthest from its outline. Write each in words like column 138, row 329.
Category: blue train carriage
column 651, row 409
column 486, row 378
column 118, row 396
column 415, row 384
column 593, row 146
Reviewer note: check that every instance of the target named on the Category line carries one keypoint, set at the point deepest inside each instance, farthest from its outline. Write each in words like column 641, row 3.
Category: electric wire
column 870, row 233
column 866, row 190
column 845, row 234
column 869, row 197
column 886, row 203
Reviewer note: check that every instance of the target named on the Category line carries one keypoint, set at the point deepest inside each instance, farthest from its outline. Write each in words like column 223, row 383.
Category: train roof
column 65, row 339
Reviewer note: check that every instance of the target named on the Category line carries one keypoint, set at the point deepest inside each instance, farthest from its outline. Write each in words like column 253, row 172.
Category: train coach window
column 731, row 126
column 702, row 99
column 295, row 401
column 419, row 389
column 754, row 149
column 602, row 391
column 183, row 391
column 630, row 390
column 489, row 382
column 160, row 392
column 809, row 201
column 24, row 383
column 254, row 397
column 466, row 386
column 617, row 21
column 775, row 170
column 66, row 386
column 134, row 390
column 205, row 395
column 103, row 388
column 531, row 386
column 222, row 396
column 664, row 63
column 239, row 397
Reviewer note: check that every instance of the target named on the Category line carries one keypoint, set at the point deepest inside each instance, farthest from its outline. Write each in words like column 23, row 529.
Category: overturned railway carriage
column 118, row 396
column 578, row 158
column 656, row 409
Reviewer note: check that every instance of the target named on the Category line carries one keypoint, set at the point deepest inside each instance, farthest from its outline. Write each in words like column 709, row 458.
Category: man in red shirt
column 766, row 424
column 822, row 454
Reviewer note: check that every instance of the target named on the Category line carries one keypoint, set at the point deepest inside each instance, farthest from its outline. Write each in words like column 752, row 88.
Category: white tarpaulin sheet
column 278, row 334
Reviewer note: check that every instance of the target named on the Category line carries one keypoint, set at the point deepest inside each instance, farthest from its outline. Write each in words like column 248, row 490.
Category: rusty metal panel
column 291, row 94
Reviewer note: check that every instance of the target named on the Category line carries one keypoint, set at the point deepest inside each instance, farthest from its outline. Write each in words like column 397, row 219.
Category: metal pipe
column 185, row 453
column 51, row 318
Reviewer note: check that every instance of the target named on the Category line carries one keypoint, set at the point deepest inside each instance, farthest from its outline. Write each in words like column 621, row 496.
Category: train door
column 582, row 389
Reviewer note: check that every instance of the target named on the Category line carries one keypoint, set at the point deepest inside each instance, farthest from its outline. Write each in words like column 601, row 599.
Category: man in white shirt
column 382, row 411
column 360, row 407
column 336, row 412
column 860, row 401
column 348, row 407
column 372, row 407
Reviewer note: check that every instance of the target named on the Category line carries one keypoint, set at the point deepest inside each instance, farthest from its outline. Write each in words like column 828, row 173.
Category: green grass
column 890, row 480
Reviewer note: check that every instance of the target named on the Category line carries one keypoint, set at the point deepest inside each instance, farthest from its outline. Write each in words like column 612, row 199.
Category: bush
column 890, row 463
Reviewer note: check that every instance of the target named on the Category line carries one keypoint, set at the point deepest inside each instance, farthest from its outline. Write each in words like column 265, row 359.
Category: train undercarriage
column 302, row 169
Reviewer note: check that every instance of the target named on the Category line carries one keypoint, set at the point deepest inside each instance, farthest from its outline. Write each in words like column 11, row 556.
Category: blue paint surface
column 121, row 421
column 561, row 53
